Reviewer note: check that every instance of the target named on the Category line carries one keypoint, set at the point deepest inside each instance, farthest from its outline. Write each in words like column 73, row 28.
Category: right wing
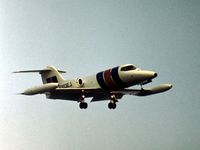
column 145, row 91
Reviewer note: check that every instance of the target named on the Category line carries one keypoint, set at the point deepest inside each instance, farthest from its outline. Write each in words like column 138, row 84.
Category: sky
column 84, row 37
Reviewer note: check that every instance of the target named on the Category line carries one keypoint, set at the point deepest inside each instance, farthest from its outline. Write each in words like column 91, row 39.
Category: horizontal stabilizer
column 37, row 71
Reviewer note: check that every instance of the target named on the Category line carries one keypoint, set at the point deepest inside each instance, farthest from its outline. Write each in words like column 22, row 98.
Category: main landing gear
column 112, row 104
column 83, row 104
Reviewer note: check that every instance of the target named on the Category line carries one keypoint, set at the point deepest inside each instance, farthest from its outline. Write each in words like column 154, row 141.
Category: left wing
column 74, row 94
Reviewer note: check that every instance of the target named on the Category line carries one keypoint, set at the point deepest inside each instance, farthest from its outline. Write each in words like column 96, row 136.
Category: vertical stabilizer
column 52, row 75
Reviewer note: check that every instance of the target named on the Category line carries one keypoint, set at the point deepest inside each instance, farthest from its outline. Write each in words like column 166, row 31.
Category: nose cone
column 144, row 75
column 155, row 74
column 150, row 74
column 137, row 76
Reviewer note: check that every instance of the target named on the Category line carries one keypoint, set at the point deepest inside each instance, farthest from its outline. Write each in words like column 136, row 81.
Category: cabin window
column 128, row 68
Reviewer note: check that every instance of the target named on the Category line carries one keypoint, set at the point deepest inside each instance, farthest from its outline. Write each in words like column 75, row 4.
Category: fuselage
column 115, row 78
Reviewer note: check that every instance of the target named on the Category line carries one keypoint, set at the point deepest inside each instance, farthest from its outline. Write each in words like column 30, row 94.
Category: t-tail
column 51, row 75
column 51, row 78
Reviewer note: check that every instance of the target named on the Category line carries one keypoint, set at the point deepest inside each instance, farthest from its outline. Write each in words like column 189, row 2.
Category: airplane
column 111, row 84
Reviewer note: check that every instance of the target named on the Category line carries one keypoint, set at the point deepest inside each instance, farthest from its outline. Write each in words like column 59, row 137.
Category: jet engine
column 79, row 82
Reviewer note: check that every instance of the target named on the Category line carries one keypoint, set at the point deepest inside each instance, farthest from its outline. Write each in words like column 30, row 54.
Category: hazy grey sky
column 87, row 36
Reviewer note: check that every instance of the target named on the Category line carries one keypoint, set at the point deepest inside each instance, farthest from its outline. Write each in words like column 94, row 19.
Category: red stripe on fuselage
column 108, row 79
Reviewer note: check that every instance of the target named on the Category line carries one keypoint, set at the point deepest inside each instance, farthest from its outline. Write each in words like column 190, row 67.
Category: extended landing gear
column 112, row 104
column 83, row 104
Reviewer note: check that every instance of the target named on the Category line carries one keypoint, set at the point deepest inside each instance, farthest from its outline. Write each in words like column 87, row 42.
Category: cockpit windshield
column 128, row 68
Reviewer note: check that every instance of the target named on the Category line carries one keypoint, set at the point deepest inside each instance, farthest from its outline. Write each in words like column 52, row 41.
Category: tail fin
column 52, row 76
column 49, row 75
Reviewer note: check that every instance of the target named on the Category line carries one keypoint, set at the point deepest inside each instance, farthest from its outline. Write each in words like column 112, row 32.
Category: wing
column 52, row 91
column 74, row 94
column 79, row 90
column 99, row 94
column 146, row 91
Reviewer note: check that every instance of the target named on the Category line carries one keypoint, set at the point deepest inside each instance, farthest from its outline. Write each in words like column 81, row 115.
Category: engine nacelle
column 40, row 89
column 79, row 82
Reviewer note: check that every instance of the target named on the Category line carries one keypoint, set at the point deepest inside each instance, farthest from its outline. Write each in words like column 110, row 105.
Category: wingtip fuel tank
column 154, row 90
column 40, row 89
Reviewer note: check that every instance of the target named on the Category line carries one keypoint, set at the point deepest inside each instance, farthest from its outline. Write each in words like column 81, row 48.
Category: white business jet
column 111, row 84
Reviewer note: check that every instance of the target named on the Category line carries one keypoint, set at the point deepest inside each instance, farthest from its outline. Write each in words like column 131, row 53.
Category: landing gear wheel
column 83, row 105
column 86, row 105
column 112, row 105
